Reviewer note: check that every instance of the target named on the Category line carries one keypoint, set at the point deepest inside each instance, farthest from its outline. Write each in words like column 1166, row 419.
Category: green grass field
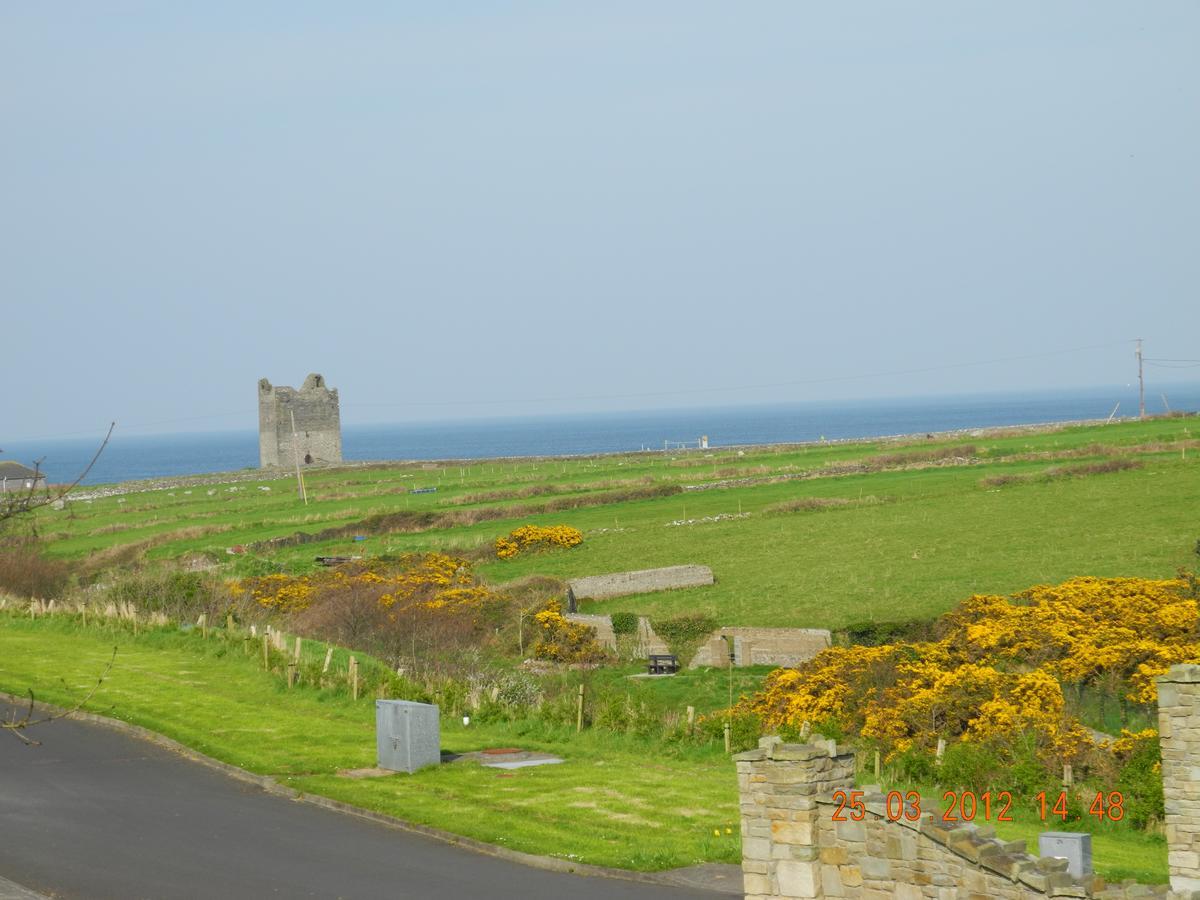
column 913, row 540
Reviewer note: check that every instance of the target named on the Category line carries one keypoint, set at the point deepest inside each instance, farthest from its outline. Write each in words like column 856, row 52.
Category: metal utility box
column 1075, row 848
column 407, row 735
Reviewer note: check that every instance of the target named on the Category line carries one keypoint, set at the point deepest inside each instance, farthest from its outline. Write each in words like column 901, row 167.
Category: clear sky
column 461, row 209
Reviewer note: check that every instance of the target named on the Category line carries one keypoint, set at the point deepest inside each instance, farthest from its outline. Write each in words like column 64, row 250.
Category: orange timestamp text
column 969, row 806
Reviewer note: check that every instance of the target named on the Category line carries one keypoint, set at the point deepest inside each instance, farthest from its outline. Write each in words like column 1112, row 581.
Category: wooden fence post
column 296, row 655
column 579, row 711
column 353, row 678
column 328, row 657
column 266, row 652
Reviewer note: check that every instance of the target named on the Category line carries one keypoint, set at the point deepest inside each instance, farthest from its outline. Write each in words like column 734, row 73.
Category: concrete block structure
column 311, row 414
column 762, row 646
column 642, row 581
column 407, row 735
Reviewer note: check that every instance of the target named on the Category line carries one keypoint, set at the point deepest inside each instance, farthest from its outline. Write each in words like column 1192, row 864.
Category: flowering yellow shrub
column 285, row 593
column 431, row 580
column 562, row 640
column 998, row 669
column 540, row 537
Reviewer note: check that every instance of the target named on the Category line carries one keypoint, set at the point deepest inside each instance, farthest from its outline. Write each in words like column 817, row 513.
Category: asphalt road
column 95, row 813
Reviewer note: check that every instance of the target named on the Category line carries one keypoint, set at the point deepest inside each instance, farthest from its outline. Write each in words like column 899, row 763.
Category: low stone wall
column 792, row 847
column 643, row 581
column 762, row 647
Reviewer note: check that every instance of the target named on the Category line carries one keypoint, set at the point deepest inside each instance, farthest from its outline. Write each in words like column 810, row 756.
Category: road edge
column 271, row 786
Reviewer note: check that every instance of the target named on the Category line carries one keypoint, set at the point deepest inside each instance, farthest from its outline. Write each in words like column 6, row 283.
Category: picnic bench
column 662, row 664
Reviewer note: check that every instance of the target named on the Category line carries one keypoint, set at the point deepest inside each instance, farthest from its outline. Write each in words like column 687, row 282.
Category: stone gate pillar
column 778, row 784
column 1179, row 734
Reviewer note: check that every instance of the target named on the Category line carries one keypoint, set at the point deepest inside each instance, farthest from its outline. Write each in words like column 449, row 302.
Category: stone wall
column 763, row 647
column 792, row 847
column 1179, row 733
column 317, row 424
column 643, row 581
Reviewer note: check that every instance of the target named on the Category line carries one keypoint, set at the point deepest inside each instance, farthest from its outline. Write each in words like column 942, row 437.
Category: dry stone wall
column 642, row 581
column 792, row 847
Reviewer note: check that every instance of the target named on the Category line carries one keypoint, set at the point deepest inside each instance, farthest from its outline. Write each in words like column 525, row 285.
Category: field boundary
column 270, row 785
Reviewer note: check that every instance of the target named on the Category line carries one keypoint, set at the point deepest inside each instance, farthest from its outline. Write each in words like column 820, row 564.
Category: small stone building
column 16, row 477
column 311, row 414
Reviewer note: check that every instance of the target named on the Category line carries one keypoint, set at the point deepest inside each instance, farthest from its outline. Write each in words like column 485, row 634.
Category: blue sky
column 492, row 209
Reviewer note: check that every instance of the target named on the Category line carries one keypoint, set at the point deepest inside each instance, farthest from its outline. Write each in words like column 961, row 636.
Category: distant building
column 16, row 477
column 311, row 414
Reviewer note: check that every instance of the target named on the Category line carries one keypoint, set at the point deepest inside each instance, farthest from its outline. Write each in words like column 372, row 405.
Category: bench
column 662, row 664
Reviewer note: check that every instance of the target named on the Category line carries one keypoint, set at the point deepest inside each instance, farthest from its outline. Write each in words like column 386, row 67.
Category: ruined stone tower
column 318, row 425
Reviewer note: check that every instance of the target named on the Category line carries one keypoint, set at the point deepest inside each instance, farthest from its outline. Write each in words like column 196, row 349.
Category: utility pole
column 1141, row 383
column 296, row 456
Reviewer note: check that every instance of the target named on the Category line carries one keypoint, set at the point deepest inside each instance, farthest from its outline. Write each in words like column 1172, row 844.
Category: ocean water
column 153, row 456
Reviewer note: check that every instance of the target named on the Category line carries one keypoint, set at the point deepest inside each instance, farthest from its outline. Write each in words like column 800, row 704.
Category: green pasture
column 912, row 539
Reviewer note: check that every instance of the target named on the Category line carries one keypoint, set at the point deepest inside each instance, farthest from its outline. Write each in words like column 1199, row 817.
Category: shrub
column 874, row 634
column 683, row 634
column 1140, row 777
column 624, row 623
column 177, row 594
column 562, row 640
column 993, row 677
column 25, row 572
column 537, row 537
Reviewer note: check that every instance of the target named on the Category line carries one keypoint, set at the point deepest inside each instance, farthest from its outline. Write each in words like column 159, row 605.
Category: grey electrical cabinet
column 407, row 735
column 1074, row 847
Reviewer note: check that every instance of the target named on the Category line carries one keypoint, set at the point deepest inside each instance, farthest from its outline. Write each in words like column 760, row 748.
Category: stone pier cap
column 1184, row 673
column 773, row 747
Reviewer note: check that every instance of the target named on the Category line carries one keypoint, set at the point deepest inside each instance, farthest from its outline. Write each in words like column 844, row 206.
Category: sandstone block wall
column 763, row 646
column 792, row 847
column 1179, row 732
column 643, row 581
column 318, row 423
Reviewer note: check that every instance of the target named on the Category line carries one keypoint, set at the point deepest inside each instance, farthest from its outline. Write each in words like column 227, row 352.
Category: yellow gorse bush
column 562, row 640
column 431, row 580
column 998, row 669
column 540, row 537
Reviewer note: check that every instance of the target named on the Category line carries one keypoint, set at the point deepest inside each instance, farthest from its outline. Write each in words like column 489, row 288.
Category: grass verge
column 616, row 801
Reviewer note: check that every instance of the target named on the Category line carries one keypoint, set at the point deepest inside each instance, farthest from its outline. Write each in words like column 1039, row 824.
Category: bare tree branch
column 17, row 726
column 27, row 501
